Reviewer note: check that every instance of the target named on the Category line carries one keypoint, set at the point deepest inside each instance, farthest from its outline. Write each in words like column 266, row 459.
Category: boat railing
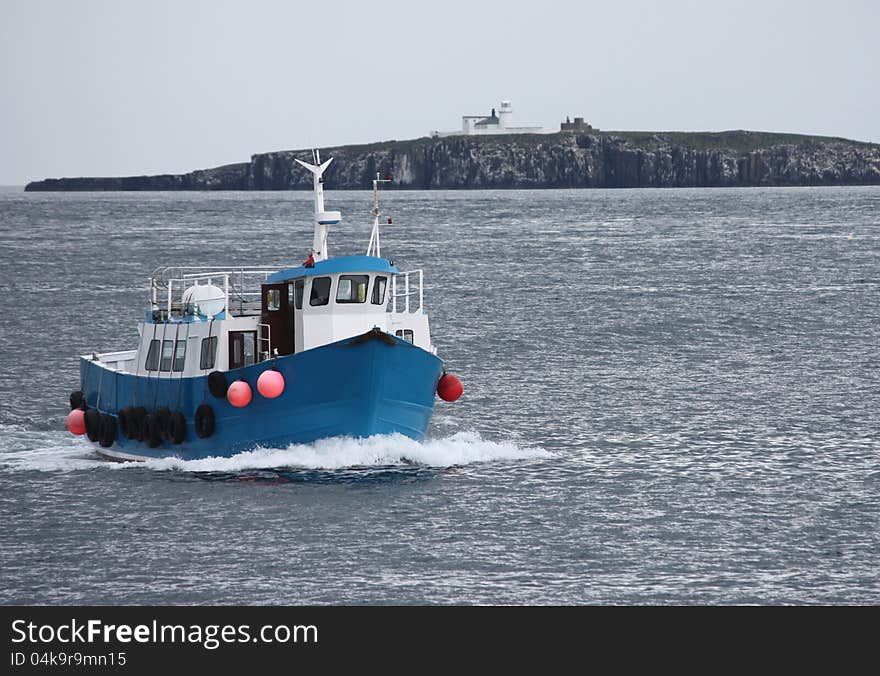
column 240, row 286
column 409, row 292
column 264, row 340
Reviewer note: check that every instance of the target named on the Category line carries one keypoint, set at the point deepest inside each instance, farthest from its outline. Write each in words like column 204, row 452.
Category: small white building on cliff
column 501, row 122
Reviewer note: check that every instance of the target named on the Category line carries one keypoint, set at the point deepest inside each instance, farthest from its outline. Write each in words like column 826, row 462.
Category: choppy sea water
column 671, row 396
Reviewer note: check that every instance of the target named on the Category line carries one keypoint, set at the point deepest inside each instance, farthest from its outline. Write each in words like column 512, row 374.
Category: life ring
column 177, row 427
column 217, row 384
column 204, row 421
column 107, row 431
column 77, row 399
column 150, row 431
column 93, row 424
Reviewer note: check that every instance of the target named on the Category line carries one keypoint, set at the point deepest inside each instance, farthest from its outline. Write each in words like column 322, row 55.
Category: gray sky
column 116, row 87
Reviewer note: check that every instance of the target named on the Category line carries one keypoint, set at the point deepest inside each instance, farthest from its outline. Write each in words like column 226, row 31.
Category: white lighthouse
column 505, row 116
column 497, row 122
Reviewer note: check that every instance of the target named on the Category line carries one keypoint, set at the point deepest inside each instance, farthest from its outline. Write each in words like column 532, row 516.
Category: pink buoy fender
column 270, row 384
column 76, row 421
column 239, row 394
column 449, row 388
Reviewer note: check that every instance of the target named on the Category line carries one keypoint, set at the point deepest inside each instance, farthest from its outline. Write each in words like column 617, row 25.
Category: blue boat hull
column 372, row 384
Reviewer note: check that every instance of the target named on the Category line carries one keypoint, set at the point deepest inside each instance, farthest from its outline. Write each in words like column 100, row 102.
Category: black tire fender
column 177, row 427
column 77, row 400
column 126, row 422
column 217, row 384
column 93, row 424
column 107, row 430
column 204, row 421
column 150, row 431
column 163, row 417
column 138, row 413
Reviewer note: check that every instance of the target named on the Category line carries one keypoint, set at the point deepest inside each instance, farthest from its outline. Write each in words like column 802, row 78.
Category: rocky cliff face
column 564, row 160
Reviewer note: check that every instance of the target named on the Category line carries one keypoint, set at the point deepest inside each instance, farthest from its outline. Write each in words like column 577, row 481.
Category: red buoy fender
column 76, row 421
column 239, row 394
column 270, row 384
column 449, row 388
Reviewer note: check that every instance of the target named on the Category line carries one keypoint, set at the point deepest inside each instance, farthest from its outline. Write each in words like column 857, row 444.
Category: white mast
column 373, row 248
column 323, row 219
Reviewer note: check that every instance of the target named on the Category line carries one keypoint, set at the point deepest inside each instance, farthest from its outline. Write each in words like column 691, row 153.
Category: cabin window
column 406, row 334
column 273, row 299
column 179, row 355
column 297, row 294
column 320, row 291
column 167, row 355
column 250, row 349
column 209, row 353
column 152, row 363
column 379, row 290
column 352, row 289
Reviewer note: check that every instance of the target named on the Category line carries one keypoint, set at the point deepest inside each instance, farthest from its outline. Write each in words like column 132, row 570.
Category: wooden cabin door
column 277, row 312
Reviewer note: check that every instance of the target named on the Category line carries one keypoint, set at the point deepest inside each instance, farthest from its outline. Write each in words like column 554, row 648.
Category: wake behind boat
column 233, row 358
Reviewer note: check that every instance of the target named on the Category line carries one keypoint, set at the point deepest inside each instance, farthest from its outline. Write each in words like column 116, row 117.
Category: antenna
column 323, row 219
column 373, row 248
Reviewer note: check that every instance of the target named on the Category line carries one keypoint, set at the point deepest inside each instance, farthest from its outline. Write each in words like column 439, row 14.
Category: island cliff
column 562, row 160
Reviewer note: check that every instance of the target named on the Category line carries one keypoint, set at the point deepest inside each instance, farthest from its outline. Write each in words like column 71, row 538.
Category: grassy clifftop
column 737, row 140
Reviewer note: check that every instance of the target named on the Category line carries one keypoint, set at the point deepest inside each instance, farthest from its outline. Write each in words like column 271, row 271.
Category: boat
column 232, row 358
